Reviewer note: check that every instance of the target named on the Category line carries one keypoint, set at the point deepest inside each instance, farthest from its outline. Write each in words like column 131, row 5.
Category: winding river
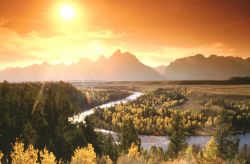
column 81, row 117
column 148, row 141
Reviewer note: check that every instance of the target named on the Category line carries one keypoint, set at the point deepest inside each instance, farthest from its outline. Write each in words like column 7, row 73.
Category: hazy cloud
column 33, row 47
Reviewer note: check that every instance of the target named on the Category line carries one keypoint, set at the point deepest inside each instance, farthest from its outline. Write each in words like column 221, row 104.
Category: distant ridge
column 124, row 66
column 213, row 67
column 118, row 67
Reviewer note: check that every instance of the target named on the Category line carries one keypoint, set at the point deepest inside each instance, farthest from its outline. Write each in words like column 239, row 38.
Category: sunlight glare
column 67, row 12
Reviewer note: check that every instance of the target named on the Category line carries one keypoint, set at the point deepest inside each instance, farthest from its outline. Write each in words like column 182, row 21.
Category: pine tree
column 128, row 135
column 109, row 147
column 29, row 134
column 228, row 143
column 177, row 137
column 91, row 136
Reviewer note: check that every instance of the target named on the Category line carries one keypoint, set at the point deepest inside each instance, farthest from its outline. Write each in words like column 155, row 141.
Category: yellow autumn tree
column 18, row 154
column 1, row 156
column 133, row 156
column 31, row 155
column 47, row 157
column 21, row 156
column 133, row 151
column 84, row 155
column 210, row 152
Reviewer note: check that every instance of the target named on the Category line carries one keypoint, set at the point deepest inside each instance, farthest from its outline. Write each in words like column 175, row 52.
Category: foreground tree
column 133, row 151
column 109, row 147
column 228, row 143
column 39, row 112
column 47, row 157
column 84, row 155
column 211, row 152
column 128, row 136
column 177, row 137
column 19, row 155
column 1, row 156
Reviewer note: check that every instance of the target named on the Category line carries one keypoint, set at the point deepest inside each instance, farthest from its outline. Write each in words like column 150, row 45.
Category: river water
column 81, row 117
column 148, row 141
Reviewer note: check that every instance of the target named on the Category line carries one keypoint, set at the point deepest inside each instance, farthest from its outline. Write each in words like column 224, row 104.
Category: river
column 81, row 117
column 149, row 141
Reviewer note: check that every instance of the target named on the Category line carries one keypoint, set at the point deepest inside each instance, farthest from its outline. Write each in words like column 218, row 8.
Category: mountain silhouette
column 118, row 67
column 126, row 67
column 213, row 67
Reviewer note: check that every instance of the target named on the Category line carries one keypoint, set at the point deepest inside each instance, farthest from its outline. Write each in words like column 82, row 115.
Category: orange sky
column 157, row 32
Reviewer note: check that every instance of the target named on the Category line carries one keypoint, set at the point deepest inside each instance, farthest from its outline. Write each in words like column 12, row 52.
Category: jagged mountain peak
column 117, row 52
column 118, row 67
column 123, row 56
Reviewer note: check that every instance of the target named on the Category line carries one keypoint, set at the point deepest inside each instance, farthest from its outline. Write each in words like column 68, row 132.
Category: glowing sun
column 67, row 12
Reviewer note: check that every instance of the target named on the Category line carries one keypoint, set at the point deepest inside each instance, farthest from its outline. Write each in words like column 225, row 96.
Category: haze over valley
column 124, row 66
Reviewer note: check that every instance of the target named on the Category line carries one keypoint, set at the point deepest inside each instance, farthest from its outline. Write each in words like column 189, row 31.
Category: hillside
column 38, row 114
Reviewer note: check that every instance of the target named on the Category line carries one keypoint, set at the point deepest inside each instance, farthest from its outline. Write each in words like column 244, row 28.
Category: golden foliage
column 133, row 151
column 84, row 155
column 107, row 160
column 47, row 157
column 1, row 156
column 210, row 152
column 31, row 154
column 21, row 156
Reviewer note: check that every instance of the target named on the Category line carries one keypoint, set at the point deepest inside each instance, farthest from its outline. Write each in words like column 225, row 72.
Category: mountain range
column 126, row 67
column 199, row 67
column 119, row 67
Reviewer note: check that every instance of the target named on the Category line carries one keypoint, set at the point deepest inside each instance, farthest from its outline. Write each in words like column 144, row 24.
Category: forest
column 37, row 114
column 34, row 126
column 153, row 112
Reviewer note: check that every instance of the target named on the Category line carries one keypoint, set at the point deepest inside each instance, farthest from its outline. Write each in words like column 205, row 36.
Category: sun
column 67, row 12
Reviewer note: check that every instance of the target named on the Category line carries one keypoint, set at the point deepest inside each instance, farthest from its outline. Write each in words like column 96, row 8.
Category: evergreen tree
column 177, row 137
column 29, row 134
column 109, row 147
column 91, row 136
column 228, row 143
column 128, row 136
